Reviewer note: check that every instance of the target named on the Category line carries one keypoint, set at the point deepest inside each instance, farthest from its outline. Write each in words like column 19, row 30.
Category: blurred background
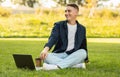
column 35, row 18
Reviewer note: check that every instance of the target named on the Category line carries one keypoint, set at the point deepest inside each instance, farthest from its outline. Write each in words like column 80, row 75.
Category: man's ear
column 77, row 13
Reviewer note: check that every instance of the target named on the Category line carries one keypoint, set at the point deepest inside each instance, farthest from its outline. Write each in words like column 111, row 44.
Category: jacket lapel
column 65, row 35
column 78, row 37
column 66, row 29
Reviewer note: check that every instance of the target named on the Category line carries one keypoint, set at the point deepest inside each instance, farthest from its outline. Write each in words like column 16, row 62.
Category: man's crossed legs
column 63, row 60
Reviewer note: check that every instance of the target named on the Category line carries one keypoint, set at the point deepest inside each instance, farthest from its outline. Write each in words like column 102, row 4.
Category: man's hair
column 73, row 5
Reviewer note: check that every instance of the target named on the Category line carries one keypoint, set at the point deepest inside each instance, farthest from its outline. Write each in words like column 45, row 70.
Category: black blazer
column 59, row 38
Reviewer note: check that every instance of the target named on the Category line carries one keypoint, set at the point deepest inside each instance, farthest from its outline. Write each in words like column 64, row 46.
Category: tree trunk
column 92, row 8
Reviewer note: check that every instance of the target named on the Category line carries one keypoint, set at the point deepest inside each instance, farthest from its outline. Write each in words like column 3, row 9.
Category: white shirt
column 71, row 36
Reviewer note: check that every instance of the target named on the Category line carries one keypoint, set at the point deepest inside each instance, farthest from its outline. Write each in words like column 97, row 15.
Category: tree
column 29, row 3
column 64, row 2
column 92, row 5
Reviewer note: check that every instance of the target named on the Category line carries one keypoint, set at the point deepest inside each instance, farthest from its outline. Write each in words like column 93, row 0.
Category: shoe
column 49, row 66
column 81, row 65
column 38, row 68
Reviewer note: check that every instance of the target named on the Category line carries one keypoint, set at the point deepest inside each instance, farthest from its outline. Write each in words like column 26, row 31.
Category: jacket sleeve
column 53, row 37
column 84, row 44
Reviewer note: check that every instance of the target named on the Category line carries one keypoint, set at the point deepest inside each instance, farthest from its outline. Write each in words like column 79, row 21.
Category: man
column 69, row 38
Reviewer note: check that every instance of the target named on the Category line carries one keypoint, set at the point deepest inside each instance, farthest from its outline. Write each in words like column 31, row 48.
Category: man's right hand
column 44, row 53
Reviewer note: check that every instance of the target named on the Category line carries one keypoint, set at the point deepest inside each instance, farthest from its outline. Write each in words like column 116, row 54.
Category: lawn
column 104, row 60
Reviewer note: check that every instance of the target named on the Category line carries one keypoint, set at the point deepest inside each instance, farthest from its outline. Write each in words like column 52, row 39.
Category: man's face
column 71, row 13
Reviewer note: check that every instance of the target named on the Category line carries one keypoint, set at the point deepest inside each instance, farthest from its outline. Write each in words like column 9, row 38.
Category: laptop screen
column 24, row 61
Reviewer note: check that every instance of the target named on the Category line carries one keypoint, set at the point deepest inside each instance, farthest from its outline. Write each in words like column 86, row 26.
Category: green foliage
column 107, row 13
column 4, row 12
column 33, row 22
column 103, row 60
column 101, row 27
column 104, row 24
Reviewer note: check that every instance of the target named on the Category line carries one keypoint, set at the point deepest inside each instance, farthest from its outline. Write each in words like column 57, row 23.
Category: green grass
column 104, row 60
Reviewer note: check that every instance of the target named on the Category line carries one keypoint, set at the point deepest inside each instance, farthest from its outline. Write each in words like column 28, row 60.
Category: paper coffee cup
column 38, row 62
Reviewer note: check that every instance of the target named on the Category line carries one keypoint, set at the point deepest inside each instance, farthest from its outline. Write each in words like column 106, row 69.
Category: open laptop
column 25, row 61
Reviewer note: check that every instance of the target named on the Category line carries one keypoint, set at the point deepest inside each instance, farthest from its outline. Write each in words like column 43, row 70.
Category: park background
column 25, row 26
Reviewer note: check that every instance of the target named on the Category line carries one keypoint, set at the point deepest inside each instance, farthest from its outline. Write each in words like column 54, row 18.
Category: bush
column 104, row 24
column 4, row 12
column 33, row 22
column 109, row 13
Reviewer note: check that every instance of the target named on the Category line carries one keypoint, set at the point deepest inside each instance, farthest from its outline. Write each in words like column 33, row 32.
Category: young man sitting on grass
column 69, row 38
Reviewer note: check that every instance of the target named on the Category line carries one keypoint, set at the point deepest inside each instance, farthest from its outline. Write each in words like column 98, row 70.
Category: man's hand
column 44, row 53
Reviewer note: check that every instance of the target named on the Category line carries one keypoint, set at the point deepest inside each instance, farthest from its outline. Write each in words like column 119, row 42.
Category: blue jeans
column 63, row 60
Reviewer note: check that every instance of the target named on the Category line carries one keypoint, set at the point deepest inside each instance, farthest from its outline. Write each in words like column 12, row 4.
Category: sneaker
column 81, row 65
column 38, row 68
column 49, row 66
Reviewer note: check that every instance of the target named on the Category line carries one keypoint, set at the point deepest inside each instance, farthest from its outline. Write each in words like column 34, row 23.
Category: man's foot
column 81, row 65
column 49, row 66
column 39, row 68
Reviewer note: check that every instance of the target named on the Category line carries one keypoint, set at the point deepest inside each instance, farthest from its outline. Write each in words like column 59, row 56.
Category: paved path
column 99, row 40
column 104, row 40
